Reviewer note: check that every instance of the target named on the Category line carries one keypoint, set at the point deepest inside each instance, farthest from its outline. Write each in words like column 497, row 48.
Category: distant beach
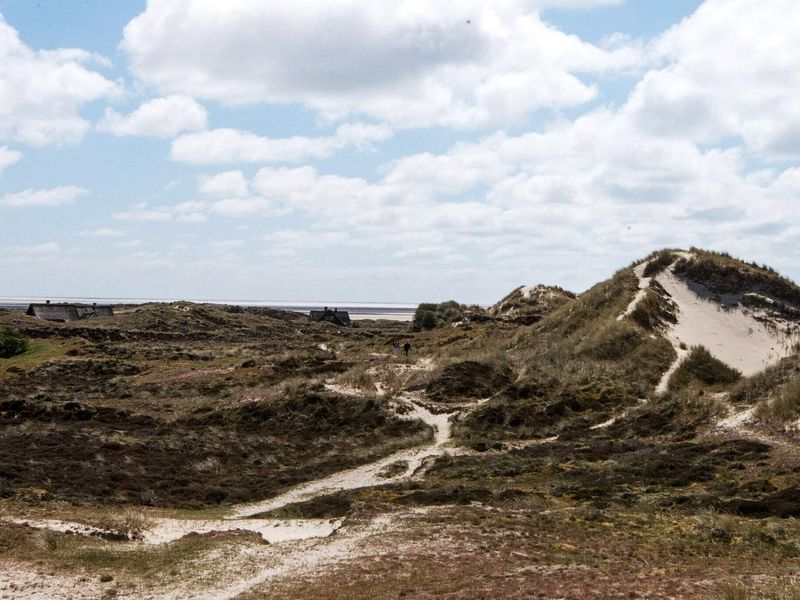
column 359, row 311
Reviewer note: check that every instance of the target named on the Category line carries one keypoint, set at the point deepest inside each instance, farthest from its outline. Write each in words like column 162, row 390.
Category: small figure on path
column 396, row 346
column 406, row 348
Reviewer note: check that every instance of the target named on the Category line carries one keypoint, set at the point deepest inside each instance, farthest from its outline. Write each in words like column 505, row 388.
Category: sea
column 357, row 310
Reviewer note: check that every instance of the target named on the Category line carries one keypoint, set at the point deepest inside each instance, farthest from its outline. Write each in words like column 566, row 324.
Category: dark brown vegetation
column 179, row 405
column 578, row 480
column 724, row 275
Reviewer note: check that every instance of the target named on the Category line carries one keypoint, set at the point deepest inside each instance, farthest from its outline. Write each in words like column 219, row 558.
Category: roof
column 339, row 317
column 64, row 312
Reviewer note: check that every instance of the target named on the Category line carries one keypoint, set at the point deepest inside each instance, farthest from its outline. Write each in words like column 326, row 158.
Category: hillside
column 638, row 438
column 528, row 304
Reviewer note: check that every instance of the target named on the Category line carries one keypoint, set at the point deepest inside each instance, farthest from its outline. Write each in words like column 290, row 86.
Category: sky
column 375, row 151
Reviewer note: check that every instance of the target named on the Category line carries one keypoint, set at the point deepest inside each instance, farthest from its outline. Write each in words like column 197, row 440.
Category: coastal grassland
column 576, row 368
column 723, row 274
column 254, row 451
column 183, row 405
column 36, row 353
column 533, row 551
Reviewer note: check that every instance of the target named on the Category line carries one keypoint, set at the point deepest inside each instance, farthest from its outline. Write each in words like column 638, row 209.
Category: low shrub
column 703, row 367
column 11, row 343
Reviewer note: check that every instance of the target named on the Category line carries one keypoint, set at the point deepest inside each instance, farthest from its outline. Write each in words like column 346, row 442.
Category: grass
column 724, row 274
column 736, row 590
column 782, row 407
column 358, row 377
column 658, row 262
column 701, row 366
column 37, row 353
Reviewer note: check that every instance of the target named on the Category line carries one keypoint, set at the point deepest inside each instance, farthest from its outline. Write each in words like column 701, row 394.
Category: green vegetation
column 570, row 477
column 702, row 367
column 12, row 343
column 658, row 262
column 430, row 316
column 723, row 274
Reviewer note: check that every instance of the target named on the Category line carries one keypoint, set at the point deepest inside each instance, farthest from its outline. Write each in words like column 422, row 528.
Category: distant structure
column 64, row 312
column 335, row 316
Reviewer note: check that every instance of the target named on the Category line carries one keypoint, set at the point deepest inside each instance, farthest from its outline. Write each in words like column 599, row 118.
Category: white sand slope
column 747, row 340
column 734, row 335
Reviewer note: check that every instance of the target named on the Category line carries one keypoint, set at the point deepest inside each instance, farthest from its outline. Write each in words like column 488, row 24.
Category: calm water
column 357, row 310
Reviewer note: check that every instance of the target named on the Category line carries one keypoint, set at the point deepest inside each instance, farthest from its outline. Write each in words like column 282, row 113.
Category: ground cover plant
column 564, row 473
column 11, row 343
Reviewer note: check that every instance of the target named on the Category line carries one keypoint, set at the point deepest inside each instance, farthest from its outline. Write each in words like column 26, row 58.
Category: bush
column 431, row 316
column 702, row 366
column 11, row 343
column 659, row 263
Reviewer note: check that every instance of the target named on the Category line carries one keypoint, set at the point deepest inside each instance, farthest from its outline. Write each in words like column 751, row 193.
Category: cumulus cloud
column 221, row 146
column 743, row 85
column 230, row 184
column 58, row 196
column 142, row 212
column 46, row 249
column 102, row 232
column 160, row 117
column 461, row 63
column 185, row 212
column 8, row 157
column 42, row 92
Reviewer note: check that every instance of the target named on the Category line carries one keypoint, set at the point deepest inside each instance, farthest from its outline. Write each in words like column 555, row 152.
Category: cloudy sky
column 395, row 151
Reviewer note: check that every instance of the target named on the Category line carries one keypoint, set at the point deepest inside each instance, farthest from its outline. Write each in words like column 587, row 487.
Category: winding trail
column 296, row 546
column 365, row 475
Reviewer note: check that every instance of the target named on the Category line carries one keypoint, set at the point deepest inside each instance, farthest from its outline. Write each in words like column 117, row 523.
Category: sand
column 744, row 339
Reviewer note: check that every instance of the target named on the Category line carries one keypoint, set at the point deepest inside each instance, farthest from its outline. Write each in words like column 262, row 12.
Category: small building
column 335, row 316
column 63, row 312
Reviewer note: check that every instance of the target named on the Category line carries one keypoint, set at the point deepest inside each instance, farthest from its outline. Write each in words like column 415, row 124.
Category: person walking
column 407, row 348
column 396, row 346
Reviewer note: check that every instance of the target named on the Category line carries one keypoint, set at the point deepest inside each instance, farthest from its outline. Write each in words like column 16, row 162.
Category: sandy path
column 366, row 475
column 297, row 546
column 644, row 285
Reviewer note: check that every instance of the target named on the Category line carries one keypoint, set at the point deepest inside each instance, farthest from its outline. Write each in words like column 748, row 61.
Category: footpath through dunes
column 295, row 544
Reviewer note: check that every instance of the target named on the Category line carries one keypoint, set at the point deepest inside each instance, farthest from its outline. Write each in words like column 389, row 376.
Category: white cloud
column 43, row 198
column 184, row 212
column 102, row 232
column 129, row 244
column 41, row 93
column 8, row 157
column 142, row 212
column 32, row 250
column 160, row 117
column 461, row 63
column 244, row 207
column 220, row 146
column 732, row 70
column 230, row 184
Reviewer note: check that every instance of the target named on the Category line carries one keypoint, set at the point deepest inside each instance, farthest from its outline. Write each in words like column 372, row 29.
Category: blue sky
column 398, row 152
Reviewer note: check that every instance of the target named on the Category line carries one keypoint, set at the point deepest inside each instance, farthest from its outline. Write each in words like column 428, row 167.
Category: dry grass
column 783, row 407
